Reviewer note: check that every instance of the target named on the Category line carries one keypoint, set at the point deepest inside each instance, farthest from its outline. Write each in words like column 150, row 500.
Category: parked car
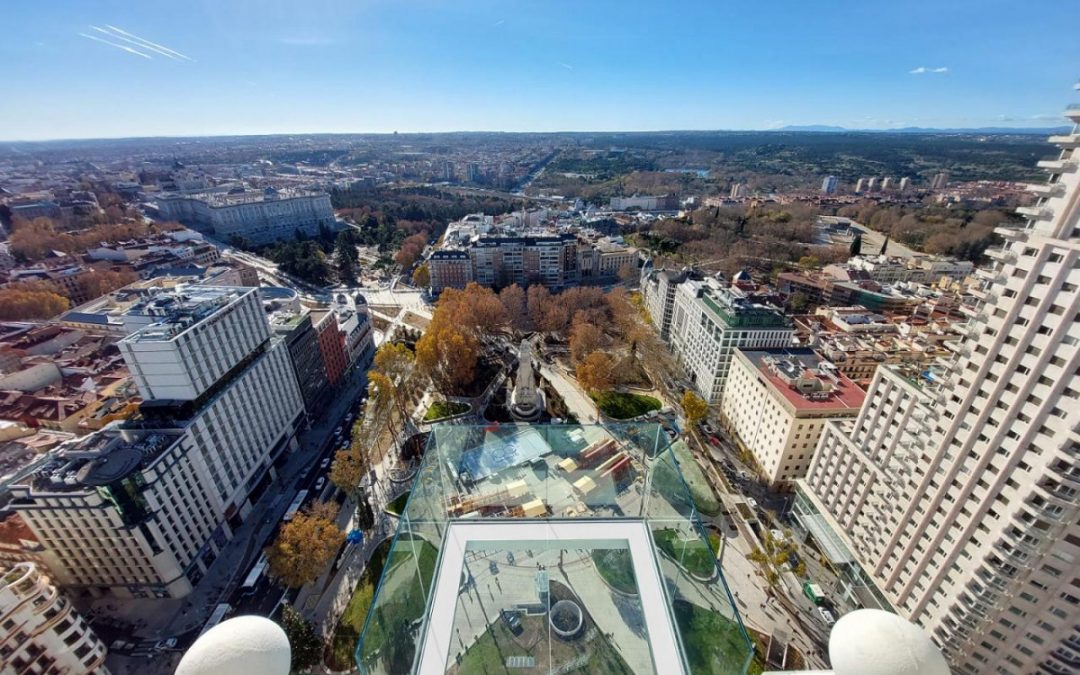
column 320, row 484
column 325, row 463
column 752, row 502
column 707, row 428
column 165, row 644
column 826, row 616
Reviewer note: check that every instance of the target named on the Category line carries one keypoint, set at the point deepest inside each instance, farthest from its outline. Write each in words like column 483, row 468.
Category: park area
column 714, row 644
column 440, row 409
column 695, row 556
column 623, row 405
column 404, row 590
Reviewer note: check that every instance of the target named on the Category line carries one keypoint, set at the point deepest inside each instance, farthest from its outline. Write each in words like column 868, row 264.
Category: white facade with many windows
column 144, row 508
column 962, row 501
column 709, row 321
column 40, row 631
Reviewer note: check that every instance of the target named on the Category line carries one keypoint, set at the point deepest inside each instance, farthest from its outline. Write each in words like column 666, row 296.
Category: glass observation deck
column 551, row 549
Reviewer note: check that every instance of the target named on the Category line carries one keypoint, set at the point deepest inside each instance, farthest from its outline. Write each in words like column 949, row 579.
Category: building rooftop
column 97, row 460
column 583, row 539
column 176, row 311
column 733, row 306
column 226, row 199
column 807, row 381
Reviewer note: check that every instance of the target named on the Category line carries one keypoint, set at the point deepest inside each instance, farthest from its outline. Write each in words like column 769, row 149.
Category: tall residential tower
column 957, row 498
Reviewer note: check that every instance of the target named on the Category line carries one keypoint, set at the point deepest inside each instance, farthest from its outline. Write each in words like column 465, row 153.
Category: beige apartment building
column 957, row 497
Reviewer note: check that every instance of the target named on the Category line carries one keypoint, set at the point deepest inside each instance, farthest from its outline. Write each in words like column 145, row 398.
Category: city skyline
column 334, row 67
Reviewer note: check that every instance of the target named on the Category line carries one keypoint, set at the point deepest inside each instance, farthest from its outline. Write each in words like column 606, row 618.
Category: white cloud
column 921, row 70
column 567, row 66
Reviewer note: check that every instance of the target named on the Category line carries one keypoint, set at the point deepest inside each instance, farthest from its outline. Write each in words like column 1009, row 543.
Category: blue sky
column 276, row 66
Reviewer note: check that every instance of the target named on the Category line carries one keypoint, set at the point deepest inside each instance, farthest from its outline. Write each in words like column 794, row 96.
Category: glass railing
column 551, row 604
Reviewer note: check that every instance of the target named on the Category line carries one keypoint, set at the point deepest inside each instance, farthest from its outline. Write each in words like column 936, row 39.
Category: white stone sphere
column 243, row 645
column 876, row 642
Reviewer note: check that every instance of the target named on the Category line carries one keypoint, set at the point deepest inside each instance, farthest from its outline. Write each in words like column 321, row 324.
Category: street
column 158, row 619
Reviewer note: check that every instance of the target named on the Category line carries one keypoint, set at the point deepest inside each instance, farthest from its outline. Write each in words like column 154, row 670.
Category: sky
column 121, row 68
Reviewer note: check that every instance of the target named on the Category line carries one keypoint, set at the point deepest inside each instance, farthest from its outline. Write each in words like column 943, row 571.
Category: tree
column 100, row 282
column 447, row 355
column 595, row 374
column 305, row 644
column 694, row 407
column 411, row 250
column 421, row 277
column 31, row 300
column 798, row 302
column 398, row 364
column 856, row 245
column 305, row 545
column 348, row 469
column 585, row 338
column 514, row 302
column 628, row 273
column 346, row 270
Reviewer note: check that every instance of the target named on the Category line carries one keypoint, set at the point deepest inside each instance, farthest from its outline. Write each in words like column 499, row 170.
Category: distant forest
column 617, row 164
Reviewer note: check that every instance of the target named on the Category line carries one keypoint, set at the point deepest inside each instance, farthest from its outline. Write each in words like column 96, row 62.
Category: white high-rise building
column 886, row 183
column 829, row 184
column 40, row 631
column 957, row 496
column 709, row 321
column 143, row 508
column 860, row 185
column 905, row 183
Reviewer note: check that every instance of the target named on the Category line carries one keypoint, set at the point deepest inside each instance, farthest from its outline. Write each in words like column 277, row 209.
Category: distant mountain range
column 825, row 128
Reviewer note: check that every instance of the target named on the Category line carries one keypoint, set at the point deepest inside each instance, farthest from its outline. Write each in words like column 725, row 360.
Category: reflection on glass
column 554, row 606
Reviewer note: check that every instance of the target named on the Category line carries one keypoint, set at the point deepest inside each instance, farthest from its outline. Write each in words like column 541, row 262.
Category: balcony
column 1066, row 140
column 1036, row 212
column 1004, row 255
column 1046, row 190
column 1072, row 111
column 1058, row 165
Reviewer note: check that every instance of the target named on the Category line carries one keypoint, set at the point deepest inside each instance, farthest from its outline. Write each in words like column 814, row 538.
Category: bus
column 216, row 616
column 295, row 506
column 255, row 574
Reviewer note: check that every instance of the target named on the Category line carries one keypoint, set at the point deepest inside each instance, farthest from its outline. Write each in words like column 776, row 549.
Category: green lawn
column 347, row 633
column 623, row 405
column 440, row 409
column 351, row 623
column 403, row 599
column 693, row 554
column 487, row 656
column 715, row 644
column 397, row 506
column 704, row 498
column 617, row 568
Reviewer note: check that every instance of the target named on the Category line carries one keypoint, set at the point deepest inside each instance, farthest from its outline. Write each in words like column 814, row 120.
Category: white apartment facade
column 201, row 333
column 40, row 631
column 961, row 502
column 143, row 510
column 259, row 216
column 776, row 402
column 709, row 321
column 658, row 293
